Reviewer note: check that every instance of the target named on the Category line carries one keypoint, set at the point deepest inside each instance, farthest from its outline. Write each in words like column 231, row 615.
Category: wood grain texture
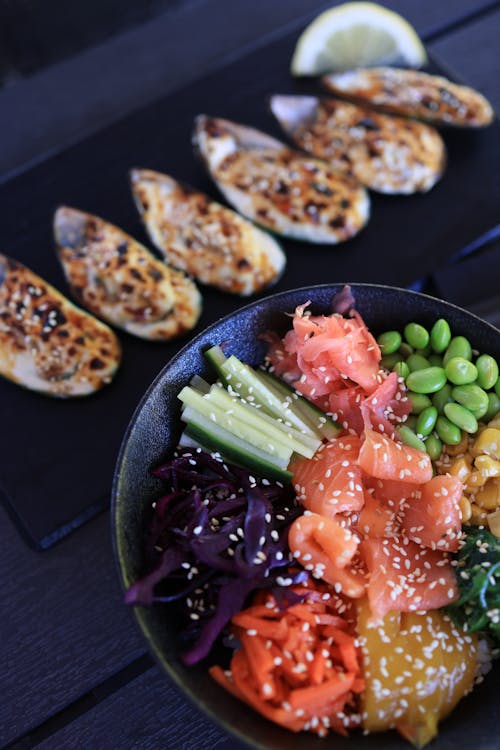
column 63, row 626
column 148, row 714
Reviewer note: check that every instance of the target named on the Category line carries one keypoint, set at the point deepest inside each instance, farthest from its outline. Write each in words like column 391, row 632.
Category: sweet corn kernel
column 488, row 442
column 461, row 468
column 488, row 497
column 494, row 523
column 488, row 466
column 465, row 509
column 478, row 516
column 475, row 480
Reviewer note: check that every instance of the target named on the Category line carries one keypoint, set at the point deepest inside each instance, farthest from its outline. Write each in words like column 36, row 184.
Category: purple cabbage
column 215, row 536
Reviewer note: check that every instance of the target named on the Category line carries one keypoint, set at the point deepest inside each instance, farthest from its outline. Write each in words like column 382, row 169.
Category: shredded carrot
column 297, row 666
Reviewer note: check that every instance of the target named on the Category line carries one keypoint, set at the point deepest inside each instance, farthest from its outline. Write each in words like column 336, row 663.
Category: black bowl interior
column 152, row 435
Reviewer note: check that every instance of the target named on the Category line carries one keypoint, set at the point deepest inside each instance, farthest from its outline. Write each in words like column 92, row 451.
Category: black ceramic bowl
column 153, row 433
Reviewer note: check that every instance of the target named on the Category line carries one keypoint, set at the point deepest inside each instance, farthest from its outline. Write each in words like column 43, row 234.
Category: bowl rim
column 118, row 552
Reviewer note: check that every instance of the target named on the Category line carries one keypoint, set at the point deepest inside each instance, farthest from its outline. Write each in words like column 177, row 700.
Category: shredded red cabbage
column 217, row 535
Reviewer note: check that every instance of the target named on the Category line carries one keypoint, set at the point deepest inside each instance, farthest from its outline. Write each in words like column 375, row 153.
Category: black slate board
column 57, row 457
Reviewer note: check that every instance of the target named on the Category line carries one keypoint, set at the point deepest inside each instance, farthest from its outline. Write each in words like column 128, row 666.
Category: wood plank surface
column 64, row 628
column 148, row 714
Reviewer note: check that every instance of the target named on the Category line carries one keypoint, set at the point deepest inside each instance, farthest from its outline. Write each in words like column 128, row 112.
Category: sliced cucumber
column 234, row 425
column 213, row 437
column 242, row 379
column 275, row 397
column 272, row 427
column 320, row 421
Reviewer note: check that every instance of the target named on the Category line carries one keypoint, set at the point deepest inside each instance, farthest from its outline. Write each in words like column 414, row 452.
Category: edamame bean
column 417, row 362
column 462, row 417
column 416, row 335
column 389, row 342
column 390, row 360
column 411, row 421
column 472, row 397
column 433, row 446
column 401, row 369
column 447, row 431
column 497, row 387
column 405, row 349
column 493, row 406
column 429, row 380
column 440, row 335
column 459, row 346
column 442, row 397
column 435, row 360
column 460, row 371
column 426, row 421
column 408, row 437
column 418, row 402
column 487, row 371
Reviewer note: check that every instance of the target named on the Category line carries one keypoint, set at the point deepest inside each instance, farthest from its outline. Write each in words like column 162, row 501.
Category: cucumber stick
column 275, row 429
column 243, row 430
column 207, row 435
column 320, row 422
column 275, row 397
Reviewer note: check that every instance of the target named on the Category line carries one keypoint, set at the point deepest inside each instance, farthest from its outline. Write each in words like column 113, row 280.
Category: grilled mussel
column 212, row 243
column 47, row 344
column 386, row 153
column 120, row 281
column 283, row 190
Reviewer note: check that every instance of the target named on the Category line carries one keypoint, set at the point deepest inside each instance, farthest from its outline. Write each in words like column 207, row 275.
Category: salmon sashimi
column 432, row 516
column 383, row 458
column 326, row 548
column 407, row 577
column 330, row 482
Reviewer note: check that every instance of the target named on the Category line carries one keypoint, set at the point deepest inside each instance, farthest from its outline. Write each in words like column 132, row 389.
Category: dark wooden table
column 75, row 670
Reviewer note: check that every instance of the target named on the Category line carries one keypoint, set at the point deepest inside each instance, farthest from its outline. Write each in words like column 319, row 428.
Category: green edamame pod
column 416, row 335
column 426, row 421
column 435, row 360
column 459, row 346
column 389, row 342
column 433, row 446
column 487, row 371
column 460, row 371
column 408, row 437
column 417, row 362
column 442, row 397
column 472, row 397
column 405, row 349
column 440, row 335
column 493, row 406
column 447, row 431
column 401, row 369
column 429, row 380
column 462, row 417
column 389, row 360
column 418, row 401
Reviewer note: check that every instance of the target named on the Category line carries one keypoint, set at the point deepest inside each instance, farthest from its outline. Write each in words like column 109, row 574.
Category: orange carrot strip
column 317, row 698
column 317, row 670
column 276, row 630
column 260, row 660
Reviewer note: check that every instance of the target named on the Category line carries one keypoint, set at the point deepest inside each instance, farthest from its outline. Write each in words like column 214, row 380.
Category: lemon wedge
column 356, row 35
